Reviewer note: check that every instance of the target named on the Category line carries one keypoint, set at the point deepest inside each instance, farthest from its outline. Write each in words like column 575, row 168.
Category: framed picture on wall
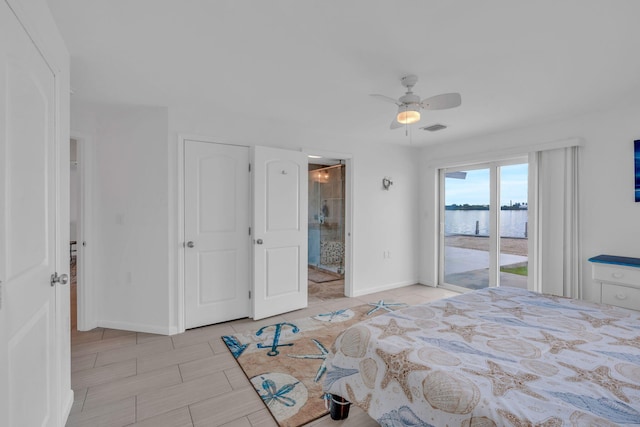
column 636, row 153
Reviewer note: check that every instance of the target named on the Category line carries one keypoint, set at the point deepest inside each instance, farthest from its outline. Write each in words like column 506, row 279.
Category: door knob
column 190, row 244
column 63, row 279
column 259, row 241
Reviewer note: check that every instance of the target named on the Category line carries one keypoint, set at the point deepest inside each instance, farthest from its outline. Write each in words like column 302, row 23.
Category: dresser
column 619, row 280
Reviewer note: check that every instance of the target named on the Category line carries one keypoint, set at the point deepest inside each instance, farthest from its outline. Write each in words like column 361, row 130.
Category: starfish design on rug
column 558, row 344
column 466, row 332
column 503, row 381
column 321, row 356
column 631, row 342
column 602, row 377
column 398, row 368
column 392, row 328
column 523, row 422
column 384, row 305
column 451, row 310
column 597, row 322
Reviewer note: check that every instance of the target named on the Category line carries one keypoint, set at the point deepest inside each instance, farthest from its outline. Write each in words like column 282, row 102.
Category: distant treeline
column 468, row 207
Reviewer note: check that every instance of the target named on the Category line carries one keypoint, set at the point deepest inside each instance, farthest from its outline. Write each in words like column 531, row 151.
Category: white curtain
column 554, row 251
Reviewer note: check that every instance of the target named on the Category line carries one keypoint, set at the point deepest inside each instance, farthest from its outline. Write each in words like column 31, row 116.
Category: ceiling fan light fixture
column 408, row 115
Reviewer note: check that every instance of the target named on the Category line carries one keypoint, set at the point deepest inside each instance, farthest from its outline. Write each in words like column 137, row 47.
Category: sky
column 474, row 189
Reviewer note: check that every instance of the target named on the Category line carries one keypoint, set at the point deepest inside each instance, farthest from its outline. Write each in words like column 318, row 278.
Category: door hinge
column 249, row 231
column 249, row 167
column 249, row 294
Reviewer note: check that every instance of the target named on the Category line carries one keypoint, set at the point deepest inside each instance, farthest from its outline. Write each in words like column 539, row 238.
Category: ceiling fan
column 409, row 104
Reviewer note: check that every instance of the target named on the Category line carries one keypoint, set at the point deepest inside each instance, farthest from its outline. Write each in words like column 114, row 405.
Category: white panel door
column 28, row 378
column 280, row 231
column 217, row 241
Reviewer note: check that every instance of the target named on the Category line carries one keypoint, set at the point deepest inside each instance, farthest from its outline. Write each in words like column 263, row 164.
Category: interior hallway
column 123, row 378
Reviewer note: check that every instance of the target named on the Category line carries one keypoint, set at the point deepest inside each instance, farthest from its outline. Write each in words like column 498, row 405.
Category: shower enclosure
column 326, row 217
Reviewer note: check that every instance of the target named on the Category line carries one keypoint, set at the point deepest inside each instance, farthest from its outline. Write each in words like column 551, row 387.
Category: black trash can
column 339, row 408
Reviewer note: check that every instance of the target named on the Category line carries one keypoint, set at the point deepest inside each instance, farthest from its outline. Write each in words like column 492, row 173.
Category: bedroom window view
column 472, row 252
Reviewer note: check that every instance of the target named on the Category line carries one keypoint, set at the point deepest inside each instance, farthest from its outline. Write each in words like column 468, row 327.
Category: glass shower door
column 326, row 218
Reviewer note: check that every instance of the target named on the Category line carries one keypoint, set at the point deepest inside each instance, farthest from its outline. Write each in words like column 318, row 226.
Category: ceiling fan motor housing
column 409, row 99
column 409, row 81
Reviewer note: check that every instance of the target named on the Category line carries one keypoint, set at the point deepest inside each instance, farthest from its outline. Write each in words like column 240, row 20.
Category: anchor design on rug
column 276, row 337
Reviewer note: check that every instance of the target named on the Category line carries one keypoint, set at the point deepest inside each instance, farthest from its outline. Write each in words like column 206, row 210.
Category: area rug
column 285, row 362
column 321, row 276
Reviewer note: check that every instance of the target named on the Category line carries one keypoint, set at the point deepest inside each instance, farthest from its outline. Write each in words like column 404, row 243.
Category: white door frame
column 348, row 211
column 84, row 263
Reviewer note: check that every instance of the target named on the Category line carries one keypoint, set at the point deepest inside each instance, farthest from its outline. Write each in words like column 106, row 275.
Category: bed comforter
column 493, row 357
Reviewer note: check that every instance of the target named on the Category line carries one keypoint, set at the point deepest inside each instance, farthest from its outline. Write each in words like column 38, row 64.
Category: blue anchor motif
column 276, row 337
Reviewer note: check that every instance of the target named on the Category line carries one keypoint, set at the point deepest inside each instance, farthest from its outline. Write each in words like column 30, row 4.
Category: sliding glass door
column 483, row 225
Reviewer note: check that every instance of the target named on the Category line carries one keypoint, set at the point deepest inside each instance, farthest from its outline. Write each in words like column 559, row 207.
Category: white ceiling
column 307, row 67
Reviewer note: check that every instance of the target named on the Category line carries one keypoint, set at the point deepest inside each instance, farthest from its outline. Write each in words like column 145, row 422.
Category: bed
column 492, row 357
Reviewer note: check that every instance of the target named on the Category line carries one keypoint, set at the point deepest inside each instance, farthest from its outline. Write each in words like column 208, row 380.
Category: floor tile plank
column 104, row 374
column 225, row 408
column 151, row 362
column 180, row 417
column 166, row 399
column 132, row 386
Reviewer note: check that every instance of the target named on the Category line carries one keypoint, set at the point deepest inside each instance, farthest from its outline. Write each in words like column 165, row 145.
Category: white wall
column 130, row 224
column 135, row 247
column 609, row 215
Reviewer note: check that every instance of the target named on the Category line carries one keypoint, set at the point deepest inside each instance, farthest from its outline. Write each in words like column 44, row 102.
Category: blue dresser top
column 617, row 260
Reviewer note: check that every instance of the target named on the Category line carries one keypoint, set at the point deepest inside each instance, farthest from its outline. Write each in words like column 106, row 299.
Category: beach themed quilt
column 493, row 357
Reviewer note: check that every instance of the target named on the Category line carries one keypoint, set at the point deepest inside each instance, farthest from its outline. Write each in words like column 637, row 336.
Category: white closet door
column 217, row 241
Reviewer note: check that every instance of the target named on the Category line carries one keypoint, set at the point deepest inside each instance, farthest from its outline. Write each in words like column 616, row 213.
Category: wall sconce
column 386, row 182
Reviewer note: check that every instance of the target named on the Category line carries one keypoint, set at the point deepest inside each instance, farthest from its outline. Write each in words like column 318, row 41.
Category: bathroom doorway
column 327, row 228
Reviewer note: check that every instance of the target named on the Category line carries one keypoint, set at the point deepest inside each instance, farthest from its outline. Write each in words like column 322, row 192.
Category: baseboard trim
column 66, row 407
column 137, row 327
column 389, row 286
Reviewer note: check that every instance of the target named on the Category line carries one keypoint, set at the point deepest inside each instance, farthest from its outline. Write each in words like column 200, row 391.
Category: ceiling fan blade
column 442, row 102
column 395, row 124
column 385, row 98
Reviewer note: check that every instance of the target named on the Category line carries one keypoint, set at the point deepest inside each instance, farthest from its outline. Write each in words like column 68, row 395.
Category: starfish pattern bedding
column 493, row 357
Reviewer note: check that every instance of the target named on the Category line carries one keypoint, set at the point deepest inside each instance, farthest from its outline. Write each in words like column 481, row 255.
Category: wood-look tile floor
column 123, row 378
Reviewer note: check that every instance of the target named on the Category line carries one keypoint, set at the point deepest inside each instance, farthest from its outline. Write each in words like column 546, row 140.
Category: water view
column 467, row 223
column 513, row 223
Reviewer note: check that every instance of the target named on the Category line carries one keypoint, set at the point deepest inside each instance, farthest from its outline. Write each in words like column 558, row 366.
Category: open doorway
column 80, row 304
column 327, row 228
column 74, row 232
